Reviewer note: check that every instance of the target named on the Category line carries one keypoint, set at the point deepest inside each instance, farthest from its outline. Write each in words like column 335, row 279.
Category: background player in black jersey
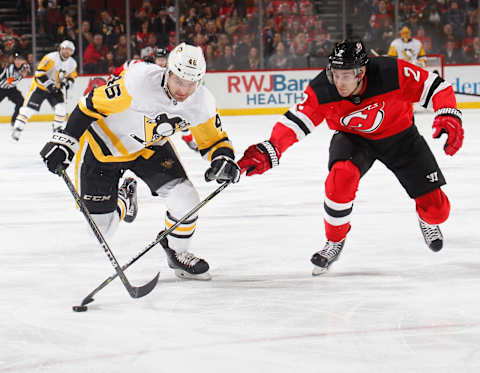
column 368, row 102
column 10, row 76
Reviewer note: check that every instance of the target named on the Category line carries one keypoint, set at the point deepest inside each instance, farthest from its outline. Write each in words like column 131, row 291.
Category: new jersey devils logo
column 365, row 120
column 93, row 83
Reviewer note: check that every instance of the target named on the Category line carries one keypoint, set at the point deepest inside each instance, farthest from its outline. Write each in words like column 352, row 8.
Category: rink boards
column 255, row 92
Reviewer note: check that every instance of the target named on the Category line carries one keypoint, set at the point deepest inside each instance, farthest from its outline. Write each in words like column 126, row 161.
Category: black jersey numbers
column 113, row 88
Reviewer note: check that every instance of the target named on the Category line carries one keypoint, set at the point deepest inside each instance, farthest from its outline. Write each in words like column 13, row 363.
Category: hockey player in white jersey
column 408, row 49
column 55, row 71
column 126, row 125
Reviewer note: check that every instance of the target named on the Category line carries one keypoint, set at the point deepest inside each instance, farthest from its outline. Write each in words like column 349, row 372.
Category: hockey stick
column 135, row 292
column 89, row 298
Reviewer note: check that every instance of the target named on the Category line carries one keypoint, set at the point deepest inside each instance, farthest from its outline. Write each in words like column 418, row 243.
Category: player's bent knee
column 433, row 207
column 107, row 223
column 60, row 110
column 342, row 182
column 26, row 111
column 182, row 198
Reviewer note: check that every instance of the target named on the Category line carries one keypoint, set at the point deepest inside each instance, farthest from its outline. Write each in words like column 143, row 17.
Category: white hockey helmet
column 187, row 62
column 67, row 44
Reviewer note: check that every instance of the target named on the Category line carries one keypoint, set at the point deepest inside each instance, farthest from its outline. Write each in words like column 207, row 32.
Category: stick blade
column 141, row 291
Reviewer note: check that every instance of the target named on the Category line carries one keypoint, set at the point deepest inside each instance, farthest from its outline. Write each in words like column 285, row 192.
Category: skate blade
column 319, row 270
column 185, row 275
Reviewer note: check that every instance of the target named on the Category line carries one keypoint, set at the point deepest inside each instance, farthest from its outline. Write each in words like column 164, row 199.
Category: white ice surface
column 388, row 305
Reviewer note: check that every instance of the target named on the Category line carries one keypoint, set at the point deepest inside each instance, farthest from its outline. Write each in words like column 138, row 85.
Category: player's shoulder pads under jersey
column 144, row 83
column 201, row 106
column 324, row 91
column 382, row 76
column 107, row 99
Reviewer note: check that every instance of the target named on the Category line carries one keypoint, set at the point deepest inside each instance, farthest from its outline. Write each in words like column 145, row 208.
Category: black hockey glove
column 223, row 169
column 59, row 152
column 67, row 83
column 51, row 88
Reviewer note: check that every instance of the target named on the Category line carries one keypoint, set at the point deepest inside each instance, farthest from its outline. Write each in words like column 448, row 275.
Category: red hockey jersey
column 382, row 109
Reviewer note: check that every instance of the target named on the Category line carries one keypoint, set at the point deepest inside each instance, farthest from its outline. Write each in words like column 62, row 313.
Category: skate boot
column 127, row 194
column 325, row 257
column 185, row 264
column 17, row 129
column 432, row 235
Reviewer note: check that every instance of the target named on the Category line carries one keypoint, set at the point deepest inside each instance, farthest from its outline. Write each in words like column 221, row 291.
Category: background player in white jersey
column 55, row 71
column 408, row 49
column 9, row 78
column 126, row 125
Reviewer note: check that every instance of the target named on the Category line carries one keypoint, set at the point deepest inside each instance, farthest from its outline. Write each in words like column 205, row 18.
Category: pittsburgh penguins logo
column 161, row 127
column 365, row 120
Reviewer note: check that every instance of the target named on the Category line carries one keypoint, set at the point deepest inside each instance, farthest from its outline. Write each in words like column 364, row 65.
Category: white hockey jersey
column 52, row 68
column 411, row 51
column 133, row 114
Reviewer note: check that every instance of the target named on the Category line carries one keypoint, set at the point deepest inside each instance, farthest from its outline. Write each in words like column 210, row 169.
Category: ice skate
column 186, row 265
column 325, row 257
column 17, row 130
column 432, row 235
column 127, row 193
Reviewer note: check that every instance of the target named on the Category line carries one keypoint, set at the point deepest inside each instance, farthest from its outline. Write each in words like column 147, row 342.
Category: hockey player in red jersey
column 368, row 102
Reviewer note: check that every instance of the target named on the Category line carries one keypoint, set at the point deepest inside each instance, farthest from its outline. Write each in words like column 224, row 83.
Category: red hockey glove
column 448, row 120
column 259, row 158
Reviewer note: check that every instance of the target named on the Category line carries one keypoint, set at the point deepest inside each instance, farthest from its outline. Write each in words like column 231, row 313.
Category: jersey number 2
column 408, row 71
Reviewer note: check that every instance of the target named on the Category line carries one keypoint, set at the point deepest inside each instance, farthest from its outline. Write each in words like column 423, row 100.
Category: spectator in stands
column 110, row 27
column 110, row 62
column 94, row 56
column 86, row 34
column 68, row 30
column 163, row 26
column 299, row 50
column 319, row 50
column 227, row 60
column 232, row 23
column 197, row 29
column 188, row 22
column 210, row 57
column 447, row 33
column 120, row 50
column 42, row 10
column 211, row 32
column 150, row 46
column 280, row 59
column 468, row 40
column 473, row 55
column 24, row 46
column 225, row 10
column 172, row 41
column 141, row 35
column 139, row 18
column 222, row 41
column 456, row 16
column 253, row 59
column 241, row 51
column 451, row 53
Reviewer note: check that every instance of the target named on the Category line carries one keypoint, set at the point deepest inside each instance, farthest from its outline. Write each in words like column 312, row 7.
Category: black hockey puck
column 80, row 308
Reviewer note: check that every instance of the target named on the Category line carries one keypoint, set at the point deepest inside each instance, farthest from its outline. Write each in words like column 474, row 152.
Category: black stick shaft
column 89, row 298
column 135, row 292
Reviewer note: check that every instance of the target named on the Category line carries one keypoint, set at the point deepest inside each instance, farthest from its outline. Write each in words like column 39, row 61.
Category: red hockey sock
column 340, row 188
column 187, row 138
column 434, row 207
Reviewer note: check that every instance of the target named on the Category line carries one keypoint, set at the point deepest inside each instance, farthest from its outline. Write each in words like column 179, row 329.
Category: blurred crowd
column 293, row 34
column 447, row 27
